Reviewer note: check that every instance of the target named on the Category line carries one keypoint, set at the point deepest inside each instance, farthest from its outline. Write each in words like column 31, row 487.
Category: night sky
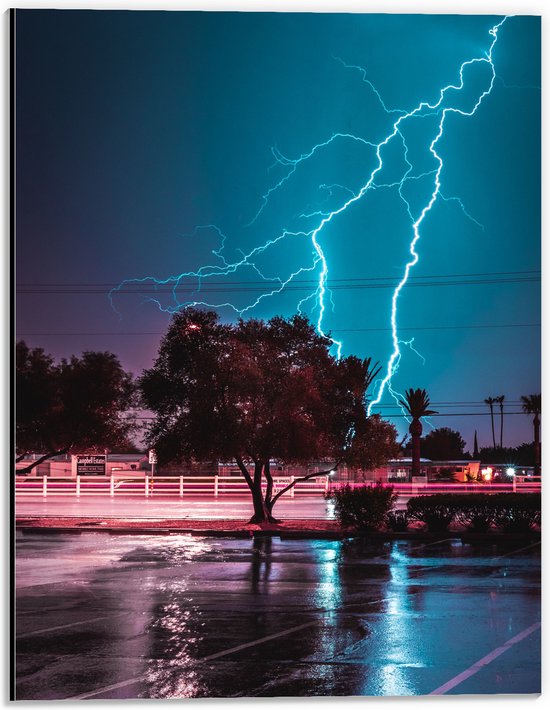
column 135, row 128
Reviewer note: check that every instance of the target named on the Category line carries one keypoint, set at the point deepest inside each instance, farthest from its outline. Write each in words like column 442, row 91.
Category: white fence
column 147, row 486
column 216, row 486
column 518, row 484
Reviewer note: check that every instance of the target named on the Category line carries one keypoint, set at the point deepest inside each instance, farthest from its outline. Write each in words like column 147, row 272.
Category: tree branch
column 244, row 471
column 34, row 464
column 298, row 480
column 269, row 487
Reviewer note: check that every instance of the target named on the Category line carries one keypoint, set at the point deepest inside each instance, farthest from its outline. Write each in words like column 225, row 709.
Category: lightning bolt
column 448, row 102
column 393, row 362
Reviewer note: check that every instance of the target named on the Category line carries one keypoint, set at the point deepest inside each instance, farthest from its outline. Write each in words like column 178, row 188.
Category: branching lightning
column 448, row 101
column 393, row 361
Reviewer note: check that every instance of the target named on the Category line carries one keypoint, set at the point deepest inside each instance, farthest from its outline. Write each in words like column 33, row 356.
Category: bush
column 517, row 512
column 513, row 512
column 397, row 520
column 364, row 507
column 437, row 511
column 476, row 511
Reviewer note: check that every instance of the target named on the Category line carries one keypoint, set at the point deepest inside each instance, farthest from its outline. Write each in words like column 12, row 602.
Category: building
column 64, row 466
column 399, row 471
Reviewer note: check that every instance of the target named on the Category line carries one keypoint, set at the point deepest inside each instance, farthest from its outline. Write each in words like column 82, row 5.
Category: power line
column 265, row 287
column 440, row 327
column 395, row 416
column 335, row 330
column 455, row 404
column 453, row 414
column 370, row 278
column 260, row 286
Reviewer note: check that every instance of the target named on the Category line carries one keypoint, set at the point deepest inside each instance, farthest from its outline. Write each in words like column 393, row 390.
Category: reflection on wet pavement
column 181, row 616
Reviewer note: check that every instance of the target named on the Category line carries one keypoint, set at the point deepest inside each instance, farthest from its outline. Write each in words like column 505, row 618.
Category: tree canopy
column 443, row 444
column 522, row 455
column 78, row 403
column 260, row 391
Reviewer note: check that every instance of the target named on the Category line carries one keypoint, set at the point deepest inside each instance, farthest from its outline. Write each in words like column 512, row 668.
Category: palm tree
column 500, row 402
column 531, row 404
column 417, row 404
column 490, row 401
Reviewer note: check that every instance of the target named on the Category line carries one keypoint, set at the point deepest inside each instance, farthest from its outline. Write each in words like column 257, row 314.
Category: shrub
column 476, row 511
column 517, row 512
column 437, row 511
column 397, row 520
column 513, row 512
column 446, row 475
column 364, row 507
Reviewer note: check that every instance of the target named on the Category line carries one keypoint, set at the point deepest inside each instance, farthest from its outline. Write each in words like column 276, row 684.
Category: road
column 106, row 617
column 192, row 505
column 199, row 507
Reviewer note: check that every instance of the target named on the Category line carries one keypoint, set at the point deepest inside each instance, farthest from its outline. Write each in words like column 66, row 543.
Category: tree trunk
column 21, row 457
column 536, row 426
column 415, row 465
column 261, row 512
column 269, row 493
column 263, row 507
column 269, row 487
column 501, row 423
column 415, row 430
column 493, row 426
column 34, row 464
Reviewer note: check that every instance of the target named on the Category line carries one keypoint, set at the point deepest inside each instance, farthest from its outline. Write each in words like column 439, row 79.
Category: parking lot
column 101, row 616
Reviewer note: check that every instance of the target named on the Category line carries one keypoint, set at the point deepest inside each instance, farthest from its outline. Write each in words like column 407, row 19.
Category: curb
column 501, row 539
column 466, row 538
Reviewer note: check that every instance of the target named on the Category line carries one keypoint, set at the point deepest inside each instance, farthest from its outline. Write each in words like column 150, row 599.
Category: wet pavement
column 102, row 616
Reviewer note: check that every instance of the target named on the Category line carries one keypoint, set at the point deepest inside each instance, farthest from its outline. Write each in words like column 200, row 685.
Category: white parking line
column 439, row 691
column 435, row 542
column 105, row 689
column 68, row 626
column 472, row 670
column 227, row 652
column 513, row 552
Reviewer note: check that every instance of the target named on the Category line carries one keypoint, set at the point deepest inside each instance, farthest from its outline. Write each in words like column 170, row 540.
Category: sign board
column 90, row 464
column 152, row 456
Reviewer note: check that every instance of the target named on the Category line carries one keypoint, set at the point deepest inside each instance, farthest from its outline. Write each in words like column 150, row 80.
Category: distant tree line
column 522, row 455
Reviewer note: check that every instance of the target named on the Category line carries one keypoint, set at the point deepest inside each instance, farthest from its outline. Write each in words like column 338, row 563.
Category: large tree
column 260, row 391
column 443, row 444
column 417, row 404
column 531, row 404
column 80, row 403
